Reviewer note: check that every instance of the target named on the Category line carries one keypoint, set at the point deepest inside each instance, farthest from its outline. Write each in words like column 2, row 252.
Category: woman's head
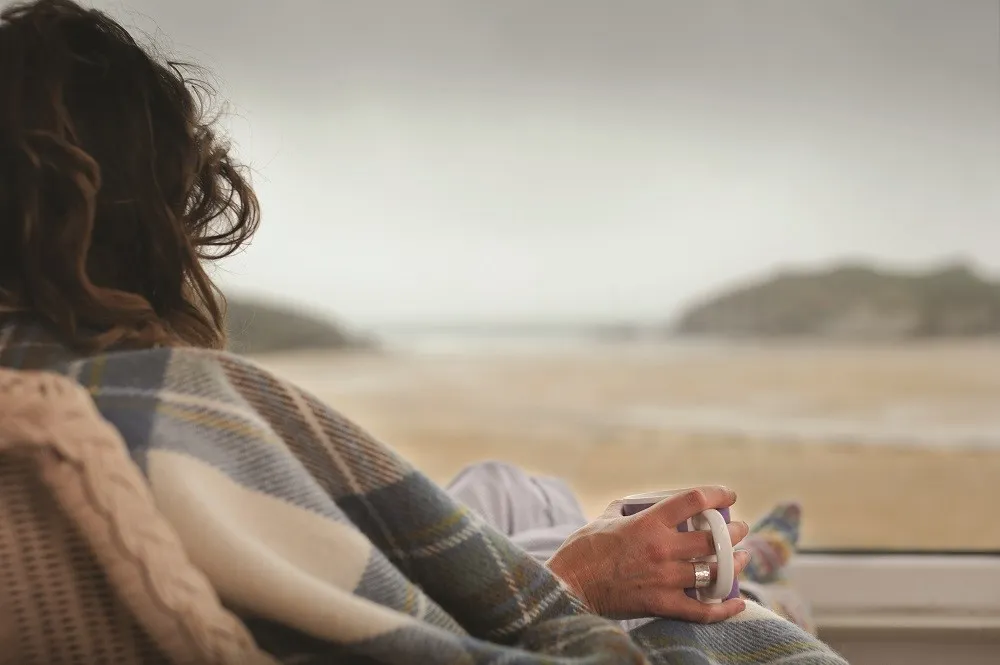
column 113, row 185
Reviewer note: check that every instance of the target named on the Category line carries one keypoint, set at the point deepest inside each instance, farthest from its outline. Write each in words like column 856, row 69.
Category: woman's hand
column 639, row 566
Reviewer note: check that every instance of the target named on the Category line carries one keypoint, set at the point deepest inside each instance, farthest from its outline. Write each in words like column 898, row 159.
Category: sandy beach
column 886, row 447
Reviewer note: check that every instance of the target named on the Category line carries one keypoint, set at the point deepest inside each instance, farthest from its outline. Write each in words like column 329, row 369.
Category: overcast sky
column 557, row 160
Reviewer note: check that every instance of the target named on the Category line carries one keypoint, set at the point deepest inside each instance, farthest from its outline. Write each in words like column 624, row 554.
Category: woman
column 114, row 190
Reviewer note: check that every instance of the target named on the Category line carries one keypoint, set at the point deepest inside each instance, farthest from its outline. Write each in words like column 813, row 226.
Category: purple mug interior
column 683, row 528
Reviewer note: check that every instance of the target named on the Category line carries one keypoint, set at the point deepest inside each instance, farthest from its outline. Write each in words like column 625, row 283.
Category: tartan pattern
column 457, row 591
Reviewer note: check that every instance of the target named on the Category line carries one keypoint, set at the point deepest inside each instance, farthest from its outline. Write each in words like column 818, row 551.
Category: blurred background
column 640, row 244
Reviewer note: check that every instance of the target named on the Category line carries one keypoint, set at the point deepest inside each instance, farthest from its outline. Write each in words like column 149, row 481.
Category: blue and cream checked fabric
column 335, row 550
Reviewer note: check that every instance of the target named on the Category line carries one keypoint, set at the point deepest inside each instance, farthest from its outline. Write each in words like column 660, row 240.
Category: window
column 645, row 245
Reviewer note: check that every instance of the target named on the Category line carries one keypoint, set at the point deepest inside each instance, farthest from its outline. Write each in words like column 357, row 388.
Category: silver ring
column 702, row 574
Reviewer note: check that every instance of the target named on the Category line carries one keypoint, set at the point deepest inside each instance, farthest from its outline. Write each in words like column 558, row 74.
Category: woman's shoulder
column 214, row 392
column 26, row 345
column 225, row 409
column 219, row 385
column 177, row 370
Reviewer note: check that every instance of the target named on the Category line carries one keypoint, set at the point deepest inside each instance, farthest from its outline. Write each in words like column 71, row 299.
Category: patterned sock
column 772, row 542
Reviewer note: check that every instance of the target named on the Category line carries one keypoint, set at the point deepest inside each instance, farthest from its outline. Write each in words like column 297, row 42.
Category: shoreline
column 561, row 414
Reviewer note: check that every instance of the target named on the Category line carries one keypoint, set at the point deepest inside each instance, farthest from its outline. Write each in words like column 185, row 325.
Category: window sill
column 901, row 592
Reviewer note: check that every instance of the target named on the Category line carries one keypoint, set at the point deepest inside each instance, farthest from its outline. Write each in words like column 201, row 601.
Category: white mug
column 726, row 585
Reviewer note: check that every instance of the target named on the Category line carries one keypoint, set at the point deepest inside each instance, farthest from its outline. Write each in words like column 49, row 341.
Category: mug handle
column 723, row 553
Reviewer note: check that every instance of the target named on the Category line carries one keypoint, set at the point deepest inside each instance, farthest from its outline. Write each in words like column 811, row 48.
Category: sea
column 955, row 405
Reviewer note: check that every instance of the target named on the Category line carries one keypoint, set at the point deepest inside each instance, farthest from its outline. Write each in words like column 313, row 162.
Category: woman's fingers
column 696, row 544
column 674, row 603
column 679, row 508
column 680, row 574
column 690, row 609
column 742, row 558
column 738, row 531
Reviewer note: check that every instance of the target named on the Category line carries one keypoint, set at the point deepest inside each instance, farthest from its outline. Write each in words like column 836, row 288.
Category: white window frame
column 901, row 591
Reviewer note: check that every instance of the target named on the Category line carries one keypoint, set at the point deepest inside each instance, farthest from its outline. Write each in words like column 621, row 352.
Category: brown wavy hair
column 114, row 185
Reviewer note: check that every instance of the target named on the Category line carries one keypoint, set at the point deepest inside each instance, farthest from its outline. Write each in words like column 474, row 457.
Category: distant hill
column 257, row 327
column 853, row 301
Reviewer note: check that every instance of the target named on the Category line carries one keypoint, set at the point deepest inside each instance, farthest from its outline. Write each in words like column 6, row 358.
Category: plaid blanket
column 333, row 549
